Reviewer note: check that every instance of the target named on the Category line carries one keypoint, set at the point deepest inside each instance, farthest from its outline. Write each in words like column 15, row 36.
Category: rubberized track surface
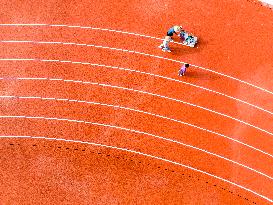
column 92, row 112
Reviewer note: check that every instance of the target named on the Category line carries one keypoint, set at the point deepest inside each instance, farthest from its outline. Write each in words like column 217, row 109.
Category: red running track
column 92, row 112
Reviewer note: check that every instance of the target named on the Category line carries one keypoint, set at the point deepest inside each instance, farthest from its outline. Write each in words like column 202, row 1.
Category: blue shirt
column 171, row 32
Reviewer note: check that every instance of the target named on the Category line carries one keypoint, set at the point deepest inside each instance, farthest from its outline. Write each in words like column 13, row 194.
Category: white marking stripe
column 148, row 113
column 146, row 73
column 137, row 52
column 148, row 155
column 25, row 24
column 50, row 60
column 17, row 42
column 31, row 78
column 25, row 97
column 19, row 59
column 164, row 97
column 55, row 79
column 8, row 96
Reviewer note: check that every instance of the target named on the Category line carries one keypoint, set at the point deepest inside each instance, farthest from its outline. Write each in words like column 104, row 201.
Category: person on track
column 183, row 69
column 174, row 30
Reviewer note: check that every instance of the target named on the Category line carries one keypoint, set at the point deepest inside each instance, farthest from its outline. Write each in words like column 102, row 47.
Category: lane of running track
column 33, row 160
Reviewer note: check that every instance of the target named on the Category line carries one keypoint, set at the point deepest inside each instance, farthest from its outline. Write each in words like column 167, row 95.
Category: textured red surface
column 229, row 120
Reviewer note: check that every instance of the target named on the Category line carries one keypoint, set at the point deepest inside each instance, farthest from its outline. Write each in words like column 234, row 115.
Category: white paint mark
column 173, row 99
column 152, row 114
column 146, row 73
column 169, row 59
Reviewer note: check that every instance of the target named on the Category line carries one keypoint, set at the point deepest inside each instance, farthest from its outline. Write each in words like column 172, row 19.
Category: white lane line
column 146, row 54
column 145, row 73
column 147, row 155
column 190, row 104
column 147, row 113
column 17, row 59
column 45, row 60
column 165, row 139
column 164, row 97
column 28, row 78
column 25, row 24
column 16, row 41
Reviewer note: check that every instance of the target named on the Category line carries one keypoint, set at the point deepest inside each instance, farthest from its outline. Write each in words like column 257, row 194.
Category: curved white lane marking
column 146, row 133
column 146, row 155
column 157, row 95
column 136, row 71
column 141, row 53
column 152, row 114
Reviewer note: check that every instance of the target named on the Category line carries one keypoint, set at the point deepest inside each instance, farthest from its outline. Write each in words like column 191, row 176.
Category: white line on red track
column 130, row 33
column 147, row 155
column 136, row 71
column 155, row 136
column 139, row 111
column 157, row 95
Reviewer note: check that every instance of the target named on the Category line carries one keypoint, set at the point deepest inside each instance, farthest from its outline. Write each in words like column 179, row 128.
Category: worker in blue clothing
column 174, row 30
